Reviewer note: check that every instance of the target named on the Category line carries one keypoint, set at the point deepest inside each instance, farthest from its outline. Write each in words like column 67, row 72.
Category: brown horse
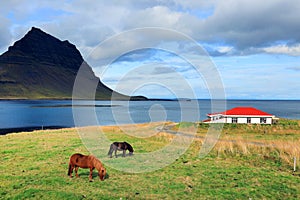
column 78, row 160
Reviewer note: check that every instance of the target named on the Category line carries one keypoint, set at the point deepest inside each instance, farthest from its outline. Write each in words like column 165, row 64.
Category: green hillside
column 34, row 166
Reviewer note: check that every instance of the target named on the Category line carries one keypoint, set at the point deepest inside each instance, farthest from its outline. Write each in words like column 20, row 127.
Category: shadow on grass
column 86, row 174
column 121, row 155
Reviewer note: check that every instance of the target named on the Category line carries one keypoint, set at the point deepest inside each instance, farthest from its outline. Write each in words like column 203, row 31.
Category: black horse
column 120, row 146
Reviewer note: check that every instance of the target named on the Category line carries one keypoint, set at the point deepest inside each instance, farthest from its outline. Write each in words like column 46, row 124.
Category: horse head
column 130, row 149
column 102, row 173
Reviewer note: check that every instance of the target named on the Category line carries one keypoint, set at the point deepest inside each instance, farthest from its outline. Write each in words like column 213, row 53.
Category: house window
column 234, row 120
column 263, row 120
column 248, row 120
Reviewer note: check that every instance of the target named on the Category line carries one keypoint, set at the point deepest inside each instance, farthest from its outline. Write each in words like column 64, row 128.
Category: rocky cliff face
column 42, row 66
column 39, row 47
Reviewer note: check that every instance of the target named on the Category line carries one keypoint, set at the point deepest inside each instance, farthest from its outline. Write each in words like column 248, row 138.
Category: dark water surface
column 58, row 113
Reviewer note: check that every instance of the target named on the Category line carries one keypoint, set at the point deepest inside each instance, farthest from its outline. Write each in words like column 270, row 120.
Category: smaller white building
column 241, row 115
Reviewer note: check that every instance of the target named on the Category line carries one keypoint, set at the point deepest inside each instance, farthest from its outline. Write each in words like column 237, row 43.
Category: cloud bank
column 246, row 27
column 264, row 33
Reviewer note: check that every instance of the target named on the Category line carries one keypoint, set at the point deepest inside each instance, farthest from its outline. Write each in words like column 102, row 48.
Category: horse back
column 118, row 146
column 121, row 146
column 75, row 157
column 80, row 160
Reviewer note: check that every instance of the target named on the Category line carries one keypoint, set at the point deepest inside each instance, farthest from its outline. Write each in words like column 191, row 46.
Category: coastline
column 5, row 131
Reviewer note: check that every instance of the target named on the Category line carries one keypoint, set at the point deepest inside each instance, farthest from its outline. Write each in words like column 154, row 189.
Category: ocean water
column 59, row 113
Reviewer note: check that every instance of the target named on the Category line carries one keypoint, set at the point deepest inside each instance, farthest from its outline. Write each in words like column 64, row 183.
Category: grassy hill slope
column 34, row 166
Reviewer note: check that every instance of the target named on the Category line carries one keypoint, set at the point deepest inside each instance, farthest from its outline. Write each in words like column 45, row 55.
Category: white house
column 241, row 115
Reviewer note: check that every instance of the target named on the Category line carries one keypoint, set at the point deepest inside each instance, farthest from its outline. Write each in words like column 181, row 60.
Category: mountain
column 40, row 66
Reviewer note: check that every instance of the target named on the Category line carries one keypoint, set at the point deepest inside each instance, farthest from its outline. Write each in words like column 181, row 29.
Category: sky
column 237, row 49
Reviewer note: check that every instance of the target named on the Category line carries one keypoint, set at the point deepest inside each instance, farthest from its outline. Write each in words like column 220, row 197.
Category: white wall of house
column 269, row 120
column 229, row 120
column 241, row 120
column 255, row 120
column 223, row 120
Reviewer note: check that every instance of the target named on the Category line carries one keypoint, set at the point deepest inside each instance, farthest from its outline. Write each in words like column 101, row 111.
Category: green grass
column 34, row 166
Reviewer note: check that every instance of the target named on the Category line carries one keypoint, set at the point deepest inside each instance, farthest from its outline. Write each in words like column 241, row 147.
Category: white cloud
column 247, row 24
column 224, row 49
column 229, row 28
column 5, row 35
column 145, row 80
column 243, row 25
column 295, row 68
column 284, row 49
column 157, row 16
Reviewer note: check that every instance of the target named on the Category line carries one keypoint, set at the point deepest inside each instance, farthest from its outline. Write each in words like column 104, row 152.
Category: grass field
column 247, row 162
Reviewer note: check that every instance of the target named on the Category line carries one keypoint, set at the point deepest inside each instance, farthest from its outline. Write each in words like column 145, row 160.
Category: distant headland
column 40, row 66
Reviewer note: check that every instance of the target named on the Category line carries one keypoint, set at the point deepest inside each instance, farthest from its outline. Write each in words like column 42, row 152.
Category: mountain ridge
column 40, row 66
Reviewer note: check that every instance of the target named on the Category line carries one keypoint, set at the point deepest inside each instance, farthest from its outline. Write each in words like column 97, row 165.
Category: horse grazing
column 120, row 146
column 86, row 161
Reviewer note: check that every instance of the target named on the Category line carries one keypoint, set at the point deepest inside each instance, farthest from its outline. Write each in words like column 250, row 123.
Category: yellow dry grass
column 286, row 150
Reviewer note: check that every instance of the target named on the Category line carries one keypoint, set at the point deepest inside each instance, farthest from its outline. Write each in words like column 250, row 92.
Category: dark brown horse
column 78, row 160
column 120, row 146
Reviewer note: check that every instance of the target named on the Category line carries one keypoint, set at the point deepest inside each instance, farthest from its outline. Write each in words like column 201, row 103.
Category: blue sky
column 253, row 46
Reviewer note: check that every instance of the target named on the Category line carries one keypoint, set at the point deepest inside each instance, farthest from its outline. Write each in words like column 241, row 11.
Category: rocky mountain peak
column 40, row 47
column 40, row 66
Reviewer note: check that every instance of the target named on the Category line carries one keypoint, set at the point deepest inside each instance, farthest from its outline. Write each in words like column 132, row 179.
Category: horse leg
column 70, row 172
column 116, row 153
column 110, row 152
column 91, row 174
column 76, row 170
column 124, row 153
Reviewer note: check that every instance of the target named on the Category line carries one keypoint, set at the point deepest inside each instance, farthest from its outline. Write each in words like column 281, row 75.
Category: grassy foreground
column 34, row 166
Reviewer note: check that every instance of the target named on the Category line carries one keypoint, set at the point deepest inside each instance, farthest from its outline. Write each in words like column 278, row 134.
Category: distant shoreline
column 5, row 131
column 148, row 99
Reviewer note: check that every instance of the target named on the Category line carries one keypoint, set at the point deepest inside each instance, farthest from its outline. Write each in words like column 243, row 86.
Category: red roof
column 243, row 111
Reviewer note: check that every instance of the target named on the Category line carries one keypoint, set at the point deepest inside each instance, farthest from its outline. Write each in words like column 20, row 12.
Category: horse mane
column 98, row 165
